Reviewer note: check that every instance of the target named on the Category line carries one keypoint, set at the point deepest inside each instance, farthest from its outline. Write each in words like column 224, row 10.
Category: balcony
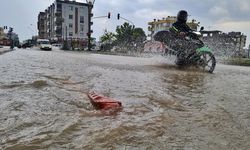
column 58, row 14
column 59, row 20
column 58, row 33
column 58, row 28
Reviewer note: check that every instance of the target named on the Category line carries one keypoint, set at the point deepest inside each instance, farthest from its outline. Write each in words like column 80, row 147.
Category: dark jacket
column 182, row 27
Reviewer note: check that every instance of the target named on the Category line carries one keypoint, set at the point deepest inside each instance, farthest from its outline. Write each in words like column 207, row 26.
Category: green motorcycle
column 189, row 50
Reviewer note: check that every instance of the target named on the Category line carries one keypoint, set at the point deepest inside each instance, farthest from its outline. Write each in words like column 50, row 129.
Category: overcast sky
column 224, row 15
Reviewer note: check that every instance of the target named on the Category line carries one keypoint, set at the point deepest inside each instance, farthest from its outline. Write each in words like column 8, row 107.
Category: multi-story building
column 41, row 25
column 3, row 37
column 165, row 23
column 229, row 44
column 1, row 32
column 239, row 41
column 64, row 19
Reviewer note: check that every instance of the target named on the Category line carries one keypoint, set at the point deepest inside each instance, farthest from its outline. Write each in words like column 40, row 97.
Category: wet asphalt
column 44, row 103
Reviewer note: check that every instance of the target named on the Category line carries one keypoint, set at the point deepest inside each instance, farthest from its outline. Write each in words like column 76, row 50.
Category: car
column 26, row 44
column 44, row 44
column 56, row 45
column 1, row 46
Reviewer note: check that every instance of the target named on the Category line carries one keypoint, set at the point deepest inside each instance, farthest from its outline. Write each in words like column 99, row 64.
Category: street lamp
column 90, row 7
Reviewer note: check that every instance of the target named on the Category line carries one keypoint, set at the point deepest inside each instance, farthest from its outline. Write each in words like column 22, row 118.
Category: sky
column 224, row 15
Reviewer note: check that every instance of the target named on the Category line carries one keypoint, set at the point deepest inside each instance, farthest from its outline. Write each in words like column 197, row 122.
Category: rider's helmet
column 182, row 16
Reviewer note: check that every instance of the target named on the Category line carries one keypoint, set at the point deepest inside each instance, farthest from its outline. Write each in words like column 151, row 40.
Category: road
column 4, row 49
column 44, row 103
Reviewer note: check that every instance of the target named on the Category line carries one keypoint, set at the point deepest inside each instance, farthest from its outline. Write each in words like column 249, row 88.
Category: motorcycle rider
column 180, row 25
column 181, row 30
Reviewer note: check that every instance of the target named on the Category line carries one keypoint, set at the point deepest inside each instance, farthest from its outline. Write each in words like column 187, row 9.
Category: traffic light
column 109, row 14
column 11, row 29
column 118, row 16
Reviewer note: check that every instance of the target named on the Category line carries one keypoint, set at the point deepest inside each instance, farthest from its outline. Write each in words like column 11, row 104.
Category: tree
column 139, row 37
column 130, row 38
column 107, row 40
column 124, row 36
column 107, row 37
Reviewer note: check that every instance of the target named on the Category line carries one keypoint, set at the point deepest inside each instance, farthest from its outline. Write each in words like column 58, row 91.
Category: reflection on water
column 186, row 81
column 44, row 103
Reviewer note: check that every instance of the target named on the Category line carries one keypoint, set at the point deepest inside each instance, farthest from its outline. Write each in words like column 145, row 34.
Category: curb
column 5, row 51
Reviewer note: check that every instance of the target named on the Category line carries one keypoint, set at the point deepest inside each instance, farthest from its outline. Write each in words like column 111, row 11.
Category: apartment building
column 3, row 37
column 41, row 25
column 64, row 19
column 165, row 23
column 1, row 32
column 225, row 44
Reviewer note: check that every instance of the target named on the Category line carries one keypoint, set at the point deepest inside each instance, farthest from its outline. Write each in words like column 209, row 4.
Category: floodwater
column 44, row 103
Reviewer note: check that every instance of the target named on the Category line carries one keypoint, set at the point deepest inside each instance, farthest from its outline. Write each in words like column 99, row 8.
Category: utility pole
column 90, row 7
column 248, row 50
column 240, row 52
column 89, row 27
column 10, row 37
column 65, row 43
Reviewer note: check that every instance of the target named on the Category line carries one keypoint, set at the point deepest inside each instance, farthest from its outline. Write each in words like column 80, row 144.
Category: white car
column 44, row 44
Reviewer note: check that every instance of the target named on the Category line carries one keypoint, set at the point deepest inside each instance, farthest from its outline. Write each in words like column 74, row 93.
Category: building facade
column 239, row 40
column 1, row 33
column 64, row 20
column 41, row 25
column 165, row 23
column 4, row 40
column 225, row 44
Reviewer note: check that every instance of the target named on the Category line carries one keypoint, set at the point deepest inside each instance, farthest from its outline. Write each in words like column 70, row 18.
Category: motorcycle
column 189, row 50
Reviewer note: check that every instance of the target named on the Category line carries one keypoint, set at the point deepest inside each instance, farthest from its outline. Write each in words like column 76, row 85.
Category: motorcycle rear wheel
column 207, row 61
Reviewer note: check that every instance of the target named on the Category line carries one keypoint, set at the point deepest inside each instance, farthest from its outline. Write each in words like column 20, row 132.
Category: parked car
column 57, row 45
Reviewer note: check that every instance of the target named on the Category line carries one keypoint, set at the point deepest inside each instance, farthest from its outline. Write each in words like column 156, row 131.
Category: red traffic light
column 109, row 14
column 118, row 16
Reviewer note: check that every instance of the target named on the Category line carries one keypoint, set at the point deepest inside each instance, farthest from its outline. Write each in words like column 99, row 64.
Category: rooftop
column 71, row 2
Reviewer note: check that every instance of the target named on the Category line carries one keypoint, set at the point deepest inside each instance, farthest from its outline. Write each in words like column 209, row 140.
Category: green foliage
column 139, row 37
column 107, row 40
column 238, row 61
column 129, row 38
column 107, row 37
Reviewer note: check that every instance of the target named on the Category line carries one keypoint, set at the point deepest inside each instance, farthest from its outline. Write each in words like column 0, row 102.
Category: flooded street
column 44, row 103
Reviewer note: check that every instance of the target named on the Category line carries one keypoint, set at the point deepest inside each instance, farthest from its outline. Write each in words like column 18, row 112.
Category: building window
column 82, row 28
column 71, row 8
column 70, row 33
column 59, row 6
column 70, row 25
column 70, row 16
column 81, row 19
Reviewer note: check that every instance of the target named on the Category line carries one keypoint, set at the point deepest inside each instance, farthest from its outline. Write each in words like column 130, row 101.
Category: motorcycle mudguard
column 204, row 49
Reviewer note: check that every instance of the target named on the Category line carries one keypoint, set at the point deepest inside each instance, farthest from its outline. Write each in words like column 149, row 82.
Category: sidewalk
column 5, row 50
